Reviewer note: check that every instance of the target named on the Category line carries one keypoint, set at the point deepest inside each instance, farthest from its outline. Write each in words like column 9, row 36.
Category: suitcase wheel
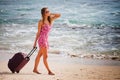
column 13, row 71
column 17, row 71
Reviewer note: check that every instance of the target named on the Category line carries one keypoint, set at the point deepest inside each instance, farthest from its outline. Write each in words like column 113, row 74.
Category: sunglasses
column 47, row 12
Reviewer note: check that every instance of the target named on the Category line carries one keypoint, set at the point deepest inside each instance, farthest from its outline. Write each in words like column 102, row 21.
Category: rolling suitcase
column 19, row 60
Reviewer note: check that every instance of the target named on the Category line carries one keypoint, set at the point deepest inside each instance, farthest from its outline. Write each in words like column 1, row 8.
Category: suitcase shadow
column 9, row 73
column 2, row 73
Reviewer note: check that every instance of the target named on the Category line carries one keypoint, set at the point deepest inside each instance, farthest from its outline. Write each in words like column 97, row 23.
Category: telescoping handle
column 31, row 52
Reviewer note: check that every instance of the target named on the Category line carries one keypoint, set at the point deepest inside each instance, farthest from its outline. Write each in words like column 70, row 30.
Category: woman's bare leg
column 37, row 60
column 45, row 55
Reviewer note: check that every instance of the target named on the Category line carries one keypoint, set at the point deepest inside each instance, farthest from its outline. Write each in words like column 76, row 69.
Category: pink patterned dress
column 43, row 39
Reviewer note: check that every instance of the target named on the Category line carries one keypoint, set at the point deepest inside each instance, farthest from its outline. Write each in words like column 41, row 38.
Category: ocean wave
column 85, row 26
column 63, row 39
column 109, row 55
column 24, row 9
column 116, row 13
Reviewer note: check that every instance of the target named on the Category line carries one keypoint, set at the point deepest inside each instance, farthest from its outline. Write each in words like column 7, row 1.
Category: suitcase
column 19, row 60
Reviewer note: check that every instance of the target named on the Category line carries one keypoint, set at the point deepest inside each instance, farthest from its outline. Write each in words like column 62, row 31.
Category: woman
column 44, row 26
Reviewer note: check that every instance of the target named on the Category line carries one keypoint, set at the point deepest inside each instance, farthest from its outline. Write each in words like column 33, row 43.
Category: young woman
column 44, row 26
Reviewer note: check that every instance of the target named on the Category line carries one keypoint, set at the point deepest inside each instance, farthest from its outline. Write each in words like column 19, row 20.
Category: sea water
column 85, row 26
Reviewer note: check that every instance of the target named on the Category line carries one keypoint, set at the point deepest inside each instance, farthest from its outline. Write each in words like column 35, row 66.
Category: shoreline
column 87, row 59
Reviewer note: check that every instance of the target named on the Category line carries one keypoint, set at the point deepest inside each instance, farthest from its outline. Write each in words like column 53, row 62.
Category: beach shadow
column 9, row 73
column 6, row 73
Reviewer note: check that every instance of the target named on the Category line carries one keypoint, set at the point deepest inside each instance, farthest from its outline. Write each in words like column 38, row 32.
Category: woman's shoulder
column 40, row 22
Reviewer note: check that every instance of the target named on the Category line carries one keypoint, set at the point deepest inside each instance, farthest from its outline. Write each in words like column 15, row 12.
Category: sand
column 65, row 68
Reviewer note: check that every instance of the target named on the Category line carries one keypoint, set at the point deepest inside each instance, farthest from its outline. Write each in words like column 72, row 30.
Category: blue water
column 85, row 26
column 80, row 12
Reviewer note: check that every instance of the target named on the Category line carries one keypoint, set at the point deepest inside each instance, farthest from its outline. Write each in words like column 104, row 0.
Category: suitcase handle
column 31, row 52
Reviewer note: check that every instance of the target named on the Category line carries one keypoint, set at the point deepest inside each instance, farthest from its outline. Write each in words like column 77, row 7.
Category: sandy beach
column 65, row 68
column 84, row 42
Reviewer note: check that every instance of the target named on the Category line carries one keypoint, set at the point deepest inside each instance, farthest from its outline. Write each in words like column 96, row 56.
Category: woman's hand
column 34, row 45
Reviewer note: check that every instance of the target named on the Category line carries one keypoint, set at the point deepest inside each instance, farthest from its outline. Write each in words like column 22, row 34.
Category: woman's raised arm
column 55, row 16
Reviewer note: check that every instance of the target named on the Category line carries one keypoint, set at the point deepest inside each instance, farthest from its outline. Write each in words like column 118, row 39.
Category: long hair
column 43, row 15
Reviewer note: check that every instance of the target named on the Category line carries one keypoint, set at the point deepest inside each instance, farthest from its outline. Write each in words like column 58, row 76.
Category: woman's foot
column 35, row 71
column 51, row 73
